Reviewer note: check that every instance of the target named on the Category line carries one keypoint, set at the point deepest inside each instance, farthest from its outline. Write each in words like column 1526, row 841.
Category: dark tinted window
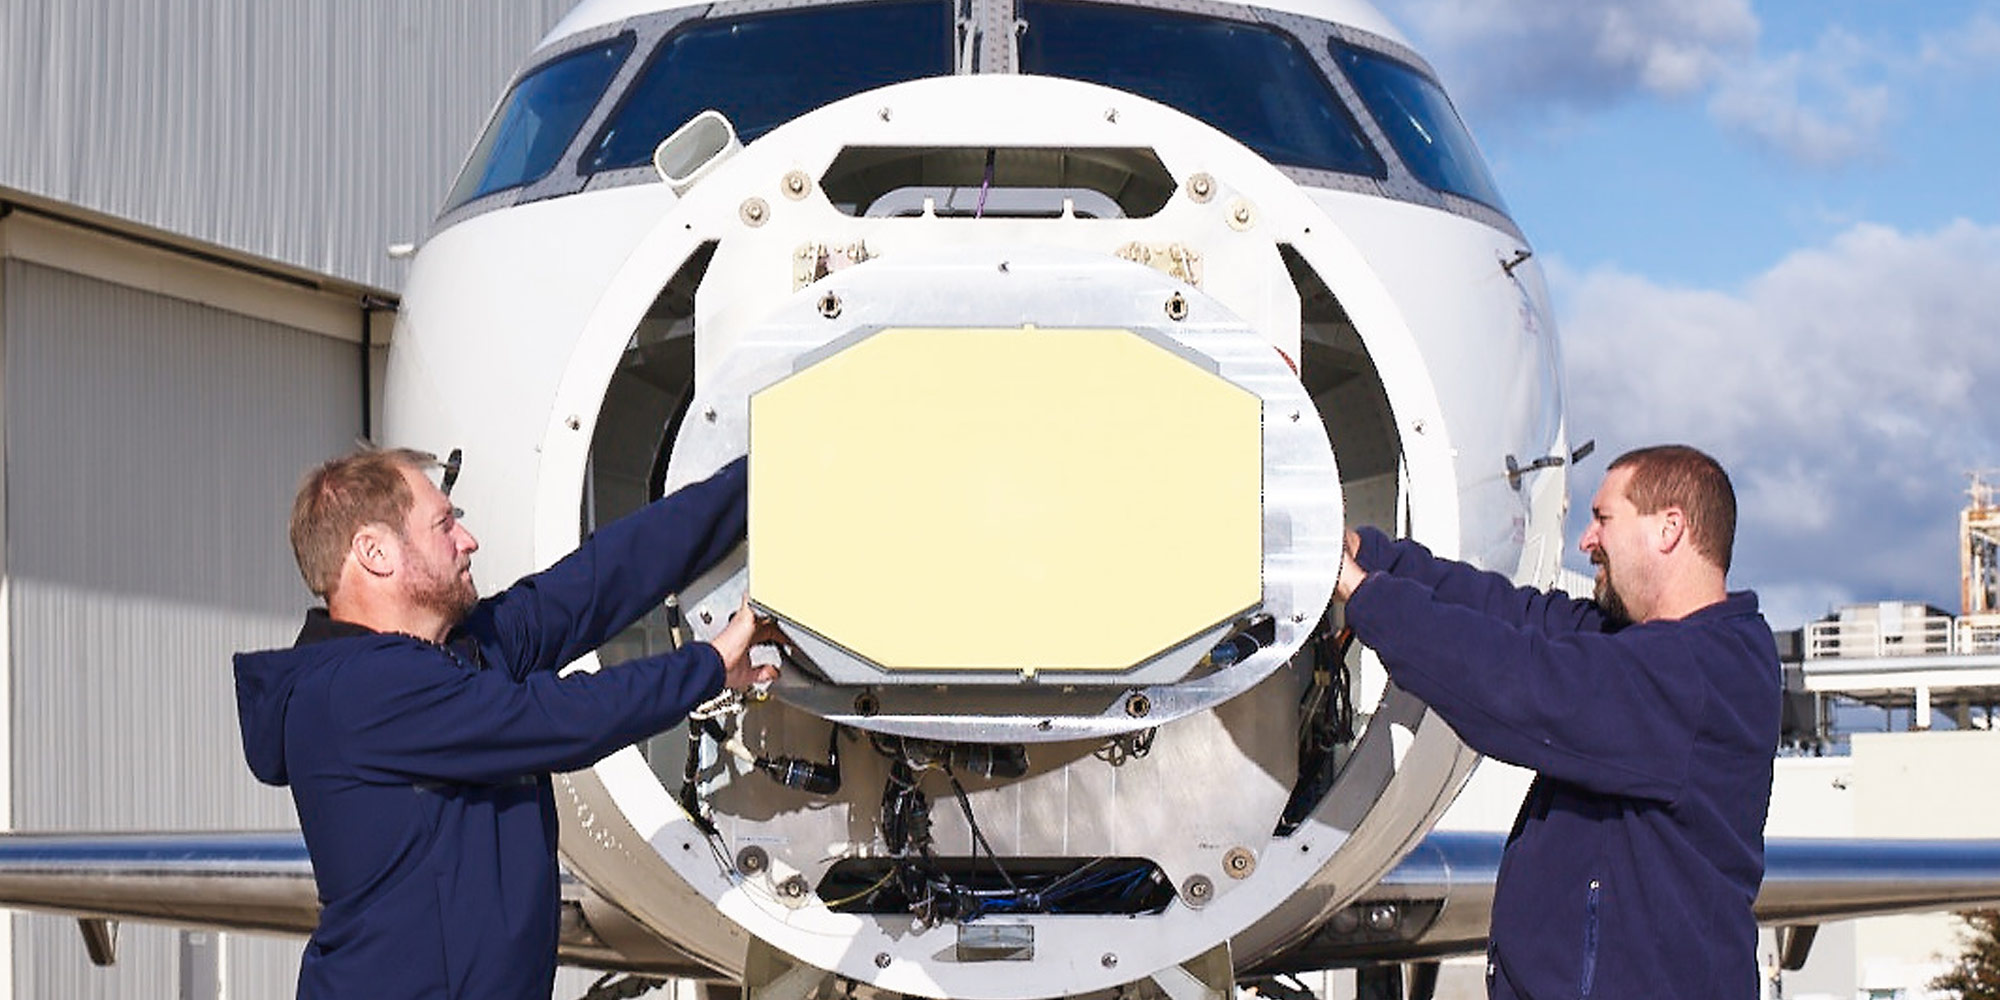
column 766, row 69
column 1253, row 82
column 1421, row 123
column 537, row 120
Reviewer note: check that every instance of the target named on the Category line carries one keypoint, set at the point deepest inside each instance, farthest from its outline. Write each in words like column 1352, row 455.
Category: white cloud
column 1974, row 46
column 1848, row 389
column 1820, row 108
column 1578, row 52
column 1823, row 105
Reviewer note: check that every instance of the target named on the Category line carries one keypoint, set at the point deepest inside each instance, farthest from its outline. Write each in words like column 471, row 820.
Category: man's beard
column 450, row 595
column 1606, row 593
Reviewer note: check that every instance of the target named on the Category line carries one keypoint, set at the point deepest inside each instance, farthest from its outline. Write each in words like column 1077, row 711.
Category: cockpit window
column 537, row 120
column 1420, row 122
column 1251, row 81
column 763, row 70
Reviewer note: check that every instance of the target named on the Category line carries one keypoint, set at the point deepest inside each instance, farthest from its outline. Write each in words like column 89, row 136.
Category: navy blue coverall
column 1637, row 854
column 421, row 771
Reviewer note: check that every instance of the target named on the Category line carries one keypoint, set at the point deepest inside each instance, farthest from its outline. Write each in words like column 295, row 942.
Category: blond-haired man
column 417, row 724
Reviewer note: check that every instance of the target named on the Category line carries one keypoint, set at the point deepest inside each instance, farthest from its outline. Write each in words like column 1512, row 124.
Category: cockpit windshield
column 1420, row 122
column 538, row 119
column 1254, row 82
column 763, row 70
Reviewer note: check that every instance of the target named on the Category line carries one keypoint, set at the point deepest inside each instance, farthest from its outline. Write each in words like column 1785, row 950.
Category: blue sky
column 1771, row 230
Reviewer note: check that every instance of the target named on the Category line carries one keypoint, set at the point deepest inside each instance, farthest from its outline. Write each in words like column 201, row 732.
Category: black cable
column 978, row 838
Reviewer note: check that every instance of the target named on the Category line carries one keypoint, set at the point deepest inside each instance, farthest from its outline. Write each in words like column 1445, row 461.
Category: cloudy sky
column 1772, row 230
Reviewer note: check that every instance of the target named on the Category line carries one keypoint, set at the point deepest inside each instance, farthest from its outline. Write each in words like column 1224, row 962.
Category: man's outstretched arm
column 620, row 572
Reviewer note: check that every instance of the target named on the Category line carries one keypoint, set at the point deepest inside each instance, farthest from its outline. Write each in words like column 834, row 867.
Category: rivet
column 752, row 860
column 1111, row 115
column 753, row 211
column 706, row 618
column 708, row 414
column 829, row 306
column 1295, row 416
column 882, row 958
column 1109, row 961
column 573, row 423
column 1298, row 618
column 866, row 704
column 1177, row 307
column 883, row 114
column 793, row 888
column 1137, row 705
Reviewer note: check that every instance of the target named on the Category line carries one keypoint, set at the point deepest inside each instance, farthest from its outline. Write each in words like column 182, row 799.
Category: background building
column 195, row 200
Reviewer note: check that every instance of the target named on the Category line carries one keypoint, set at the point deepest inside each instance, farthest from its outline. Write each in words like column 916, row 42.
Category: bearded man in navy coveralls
column 417, row 725
column 1649, row 714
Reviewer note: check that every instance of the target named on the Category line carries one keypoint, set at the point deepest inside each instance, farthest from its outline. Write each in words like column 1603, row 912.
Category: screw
column 1196, row 890
column 829, row 305
column 882, row 958
column 706, row 618
column 1201, row 187
column 866, row 704
column 1109, row 961
column 796, row 185
column 793, row 888
column 1239, row 862
column 752, row 860
column 754, row 211
column 1137, row 705
column 1177, row 307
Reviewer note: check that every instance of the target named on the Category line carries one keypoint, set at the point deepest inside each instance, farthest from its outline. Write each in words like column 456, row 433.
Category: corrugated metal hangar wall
column 195, row 196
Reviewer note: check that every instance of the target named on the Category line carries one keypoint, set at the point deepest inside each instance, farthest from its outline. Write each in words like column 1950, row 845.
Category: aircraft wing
column 1435, row 903
column 246, row 881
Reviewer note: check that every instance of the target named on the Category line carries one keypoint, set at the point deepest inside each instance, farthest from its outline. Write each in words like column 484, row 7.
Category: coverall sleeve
column 408, row 714
column 1613, row 713
column 623, row 570
column 1489, row 593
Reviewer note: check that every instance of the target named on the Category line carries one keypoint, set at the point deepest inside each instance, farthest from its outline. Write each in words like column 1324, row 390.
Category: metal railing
column 1934, row 635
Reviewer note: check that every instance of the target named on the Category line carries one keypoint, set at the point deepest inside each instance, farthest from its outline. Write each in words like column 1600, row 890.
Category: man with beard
column 417, row 725
column 1650, row 716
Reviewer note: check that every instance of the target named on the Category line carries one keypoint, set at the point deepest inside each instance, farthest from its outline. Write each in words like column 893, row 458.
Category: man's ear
column 376, row 550
column 1673, row 529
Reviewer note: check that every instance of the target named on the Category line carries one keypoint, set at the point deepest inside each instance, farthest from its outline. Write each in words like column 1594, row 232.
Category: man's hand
column 1351, row 573
column 745, row 629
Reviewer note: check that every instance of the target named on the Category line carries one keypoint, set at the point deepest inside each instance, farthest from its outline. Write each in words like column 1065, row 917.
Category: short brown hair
column 341, row 496
column 1675, row 475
